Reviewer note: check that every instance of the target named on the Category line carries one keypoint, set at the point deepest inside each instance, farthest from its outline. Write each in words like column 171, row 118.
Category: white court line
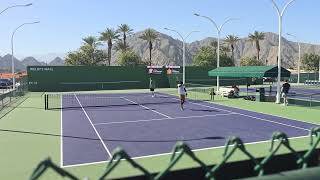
column 61, row 138
column 148, row 108
column 170, row 153
column 262, row 119
column 162, row 119
column 104, row 145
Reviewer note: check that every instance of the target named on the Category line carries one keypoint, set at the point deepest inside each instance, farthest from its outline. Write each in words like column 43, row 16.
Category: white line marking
column 164, row 154
column 61, row 138
column 288, row 118
column 104, row 145
column 301, row 121
column 148, row 108
column 162, row 119
column 262, row 119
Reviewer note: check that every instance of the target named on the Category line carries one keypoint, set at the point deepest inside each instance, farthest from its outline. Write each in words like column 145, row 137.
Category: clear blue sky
column 65, row 22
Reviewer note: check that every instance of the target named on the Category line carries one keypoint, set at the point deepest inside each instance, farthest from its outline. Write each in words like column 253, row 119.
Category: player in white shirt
column 182, row 93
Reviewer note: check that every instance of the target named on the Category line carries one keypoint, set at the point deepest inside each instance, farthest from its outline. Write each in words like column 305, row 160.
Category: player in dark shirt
column 285, row 91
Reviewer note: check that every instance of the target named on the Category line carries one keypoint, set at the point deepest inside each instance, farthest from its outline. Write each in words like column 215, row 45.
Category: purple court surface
column 90, row 133
column 306, row 94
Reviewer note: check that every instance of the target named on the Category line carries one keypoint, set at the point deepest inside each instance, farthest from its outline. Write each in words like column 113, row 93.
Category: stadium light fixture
column 10, row 7
column 219, row 29
column 280, row 17
column 183, row 51
column 12, row 58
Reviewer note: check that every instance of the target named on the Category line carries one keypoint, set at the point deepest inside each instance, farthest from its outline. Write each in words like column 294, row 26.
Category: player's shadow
column 205, row 110
column 111, row 140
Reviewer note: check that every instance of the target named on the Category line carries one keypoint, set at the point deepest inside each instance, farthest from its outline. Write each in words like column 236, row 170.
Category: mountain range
column 168, row 51
column 21, row 65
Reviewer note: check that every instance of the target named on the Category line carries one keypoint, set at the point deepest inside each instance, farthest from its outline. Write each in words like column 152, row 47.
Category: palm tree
column 255, row 38
column 90, row 41
column 125, row 30
column 232, row 40
column 149, row 35
column 120, row 46
column 109, row 35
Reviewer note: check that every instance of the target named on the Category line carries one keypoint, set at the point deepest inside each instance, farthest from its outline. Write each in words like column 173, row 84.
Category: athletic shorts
column 284, row 95
column 182, row 97
column 152, row 89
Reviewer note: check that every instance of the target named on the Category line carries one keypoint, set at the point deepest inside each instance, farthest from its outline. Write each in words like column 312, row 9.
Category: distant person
column 285, row 90
column 236, row 91
column 182, row 93
column 152, row 87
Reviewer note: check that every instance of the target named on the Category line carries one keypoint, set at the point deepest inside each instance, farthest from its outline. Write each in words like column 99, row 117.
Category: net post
column 46, row 101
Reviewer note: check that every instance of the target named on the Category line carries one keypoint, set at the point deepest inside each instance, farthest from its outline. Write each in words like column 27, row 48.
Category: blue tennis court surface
column 90, row 133
column 294, row 93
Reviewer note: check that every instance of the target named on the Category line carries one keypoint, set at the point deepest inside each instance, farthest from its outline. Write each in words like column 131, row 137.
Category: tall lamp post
column 183, row 51
column 280, row 16
column 24, row 5
column 219, row 29
column 299, row 61
column 12, row 58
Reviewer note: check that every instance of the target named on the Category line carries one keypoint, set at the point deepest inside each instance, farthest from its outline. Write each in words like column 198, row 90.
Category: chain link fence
column 209, row 172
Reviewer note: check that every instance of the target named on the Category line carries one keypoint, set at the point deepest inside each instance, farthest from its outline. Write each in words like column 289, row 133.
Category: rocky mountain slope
column 168, row 50
column 5, row 63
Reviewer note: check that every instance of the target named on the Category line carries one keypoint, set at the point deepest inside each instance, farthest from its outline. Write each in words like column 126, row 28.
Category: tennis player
column 182, row 93
column 152, row 87
column 285, row 90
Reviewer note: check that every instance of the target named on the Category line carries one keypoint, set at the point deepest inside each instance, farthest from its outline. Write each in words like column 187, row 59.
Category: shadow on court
column 205, row 110
column 110, row 140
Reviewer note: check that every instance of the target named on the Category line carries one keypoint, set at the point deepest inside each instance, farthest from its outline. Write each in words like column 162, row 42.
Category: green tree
column 149, row 35
column 310, row 62
column 125, row 30
column 232, row 40
column 91, row 43
column 249, row 61
column 224, row 50
column 85, row 56
column 129, row 58
column 120, row 46
column 214, row 44
column 206, row 56
column 109, row 35
column 256, row 37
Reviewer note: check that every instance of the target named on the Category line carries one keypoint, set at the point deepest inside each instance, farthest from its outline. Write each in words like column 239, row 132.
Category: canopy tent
column 249, row 72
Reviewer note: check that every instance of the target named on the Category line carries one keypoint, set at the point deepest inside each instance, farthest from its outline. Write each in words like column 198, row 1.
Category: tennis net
column 94, row 99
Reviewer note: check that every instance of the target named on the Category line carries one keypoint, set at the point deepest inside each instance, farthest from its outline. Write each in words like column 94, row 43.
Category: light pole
column 25, row 5
column 280, row 15
column 12, row 58
column 299, row 61
column 219, row 29
column 183, row 51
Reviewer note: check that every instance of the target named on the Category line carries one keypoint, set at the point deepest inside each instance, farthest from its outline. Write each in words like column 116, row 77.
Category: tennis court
column 296, row 92
column 95, row 124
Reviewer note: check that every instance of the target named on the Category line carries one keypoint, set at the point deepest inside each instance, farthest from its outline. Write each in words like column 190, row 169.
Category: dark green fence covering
column 249, row 72
column 77, row 78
